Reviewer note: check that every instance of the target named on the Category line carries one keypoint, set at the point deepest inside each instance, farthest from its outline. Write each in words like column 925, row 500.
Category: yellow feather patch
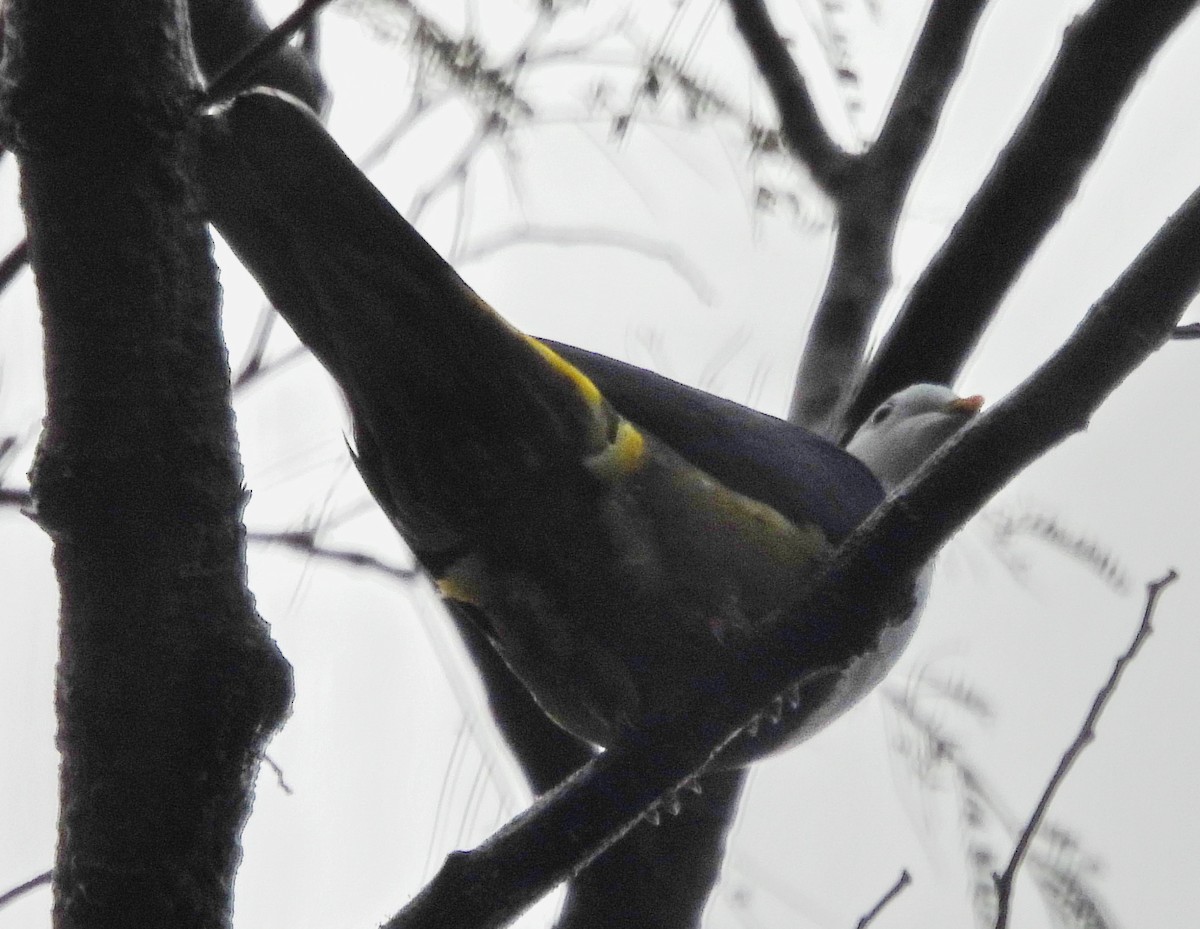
column 463, row 582
column 627, row 449
column 624, row 454
column 451, row 589
column 589, row 391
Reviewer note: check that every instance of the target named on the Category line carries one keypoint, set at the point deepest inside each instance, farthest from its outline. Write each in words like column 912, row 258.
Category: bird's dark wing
column 805, row 477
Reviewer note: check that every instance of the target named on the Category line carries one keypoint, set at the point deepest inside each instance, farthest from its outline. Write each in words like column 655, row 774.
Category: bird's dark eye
column 881, row 414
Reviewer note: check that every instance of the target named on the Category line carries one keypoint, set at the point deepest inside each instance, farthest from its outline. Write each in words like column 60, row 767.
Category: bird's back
column 802, row 475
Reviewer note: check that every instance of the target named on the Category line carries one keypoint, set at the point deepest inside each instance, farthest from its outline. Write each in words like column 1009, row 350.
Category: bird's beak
column 968, row 406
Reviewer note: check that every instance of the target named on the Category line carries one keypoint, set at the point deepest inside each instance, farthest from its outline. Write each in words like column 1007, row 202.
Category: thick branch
column 168, row 682
column 933, row 67
column 869, row 206
column 1103, row 53
column 660, row 874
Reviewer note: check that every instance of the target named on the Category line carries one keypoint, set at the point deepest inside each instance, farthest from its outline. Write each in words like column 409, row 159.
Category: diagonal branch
column 224, row 31
column 933, row 67
column 802, row 127
column 490, row 885
column 869, row 207
column 13, row 262
column 646, row 246
column 305, row 542
column 894, row 891
column 1102, row 56
column 238, row 75
column 15, row 893
column 1087, row 732
column 660, row 874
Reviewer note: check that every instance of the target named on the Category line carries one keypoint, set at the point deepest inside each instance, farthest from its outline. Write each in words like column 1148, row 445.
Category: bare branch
column 1056, row 871
column 869, row 208
column 417, row 107
column 278, row 771
column 901, row 882
column 13, row 262
column 933, row 67
column 802, row 127
column 569, row 825
column 21, row 889
column 14, row 496
column 256, row 371
column 455, row 172
column 1102, row 56
column 257, row 349
column 241, row 72
column 1087, row 733
column 136, row 479
column 305, row 542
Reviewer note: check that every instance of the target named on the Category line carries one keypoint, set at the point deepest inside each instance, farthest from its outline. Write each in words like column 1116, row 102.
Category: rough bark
column 168, row 683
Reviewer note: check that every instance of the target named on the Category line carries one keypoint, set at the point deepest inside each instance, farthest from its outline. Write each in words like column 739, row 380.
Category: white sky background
column 388, row 755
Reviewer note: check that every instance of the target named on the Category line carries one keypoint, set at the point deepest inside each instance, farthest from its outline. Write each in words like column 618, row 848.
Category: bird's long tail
column 444, row 392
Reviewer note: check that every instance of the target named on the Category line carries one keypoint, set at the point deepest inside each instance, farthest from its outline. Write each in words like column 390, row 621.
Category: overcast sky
column 390, row 759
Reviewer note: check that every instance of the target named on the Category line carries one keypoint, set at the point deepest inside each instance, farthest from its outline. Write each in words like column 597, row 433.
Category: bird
column 615, row 534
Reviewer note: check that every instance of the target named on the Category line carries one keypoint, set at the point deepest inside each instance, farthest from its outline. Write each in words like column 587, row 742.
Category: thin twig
column 299, row 540
column 15, row 496
column 254, row 372
column 802, row 127
column 257, row 349
column 454, row 172
column 1190, row 331
column 306, row 542
column 278, row 771
column 13, row 262
column 901, row 882
column 1087, row 732
column 21, row 889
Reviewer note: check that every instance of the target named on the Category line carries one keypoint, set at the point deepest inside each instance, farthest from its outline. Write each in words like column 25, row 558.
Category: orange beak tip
column 970, row 405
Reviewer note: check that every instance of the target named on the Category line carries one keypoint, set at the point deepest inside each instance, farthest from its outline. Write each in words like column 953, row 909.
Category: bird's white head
column 908, row 427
